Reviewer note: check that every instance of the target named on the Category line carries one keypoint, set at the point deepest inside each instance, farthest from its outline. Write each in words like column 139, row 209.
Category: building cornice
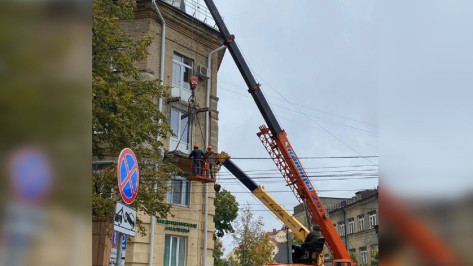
column 183, row 23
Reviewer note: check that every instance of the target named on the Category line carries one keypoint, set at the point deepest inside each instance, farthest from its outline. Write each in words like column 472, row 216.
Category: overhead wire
column 301, row 112
column 320, row 126
column 306, row 106
column 309, row 157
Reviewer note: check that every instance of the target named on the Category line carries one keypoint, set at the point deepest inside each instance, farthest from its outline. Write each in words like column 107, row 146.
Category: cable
column 304, row 113
column 322, row 167
column 320, row 126
column 305, row 106
column 313, row 157
column 313, row 172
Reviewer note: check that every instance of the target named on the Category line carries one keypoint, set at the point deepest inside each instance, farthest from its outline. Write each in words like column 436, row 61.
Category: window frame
column 363, row 255
column 184, row 196
column 178, row 136
column 180, row 62
column 341, row 227
column 176, row 252
column 361, row 223
column 351, row 226
column 372, row 219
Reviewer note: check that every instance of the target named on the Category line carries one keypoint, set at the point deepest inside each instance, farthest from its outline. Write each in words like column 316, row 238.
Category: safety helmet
column 209, row 147
column 196, row 145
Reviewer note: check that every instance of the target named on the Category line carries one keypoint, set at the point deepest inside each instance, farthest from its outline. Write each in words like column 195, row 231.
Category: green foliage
column 125, row 113
column 254, row 246
column 218, row 253
column 226, row 211
column 354, row 258
column 374, row 257
column 124, row 106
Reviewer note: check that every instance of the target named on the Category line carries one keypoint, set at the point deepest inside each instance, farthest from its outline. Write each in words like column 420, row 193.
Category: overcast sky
column 315, row 63
column 337, row 73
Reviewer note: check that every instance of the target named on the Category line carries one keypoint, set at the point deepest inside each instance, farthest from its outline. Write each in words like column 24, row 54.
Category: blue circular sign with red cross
column 128, row 175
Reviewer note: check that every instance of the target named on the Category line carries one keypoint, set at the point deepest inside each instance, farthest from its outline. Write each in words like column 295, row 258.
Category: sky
column 315, row 63
column 347, row 78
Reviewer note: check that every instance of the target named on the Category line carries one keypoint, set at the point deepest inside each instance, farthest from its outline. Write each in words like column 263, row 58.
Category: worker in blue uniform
column 198, row 157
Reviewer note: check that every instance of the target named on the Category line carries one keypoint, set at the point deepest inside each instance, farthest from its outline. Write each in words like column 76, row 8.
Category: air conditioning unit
column 202, row 72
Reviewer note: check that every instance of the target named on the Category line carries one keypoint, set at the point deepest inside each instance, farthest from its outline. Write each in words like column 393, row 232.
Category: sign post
column 128, row 178
column 119, row 250
column 115, row 247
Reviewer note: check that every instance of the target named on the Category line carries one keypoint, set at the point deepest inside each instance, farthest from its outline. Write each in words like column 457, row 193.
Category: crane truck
column 275, row 140
column 298, row 229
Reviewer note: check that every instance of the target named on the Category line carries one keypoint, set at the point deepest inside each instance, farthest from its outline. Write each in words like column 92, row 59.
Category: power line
column 301, row 112
column 309, row 172
column 313, row 157
column 318, row 177
column 320, row 126
column 311, row 107
column 321, row 167
column 282, row 191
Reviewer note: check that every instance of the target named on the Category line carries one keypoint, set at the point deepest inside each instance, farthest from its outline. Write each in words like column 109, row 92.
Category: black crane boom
column 253, row 86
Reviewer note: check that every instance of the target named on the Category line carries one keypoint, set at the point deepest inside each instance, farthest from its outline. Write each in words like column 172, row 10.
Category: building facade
column 185, row 237
column 356, row 221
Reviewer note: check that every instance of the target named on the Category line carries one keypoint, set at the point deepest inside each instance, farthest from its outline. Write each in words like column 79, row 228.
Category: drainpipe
column 207, row 103
column 160, row 108
column 345, row 227
column 207, row 133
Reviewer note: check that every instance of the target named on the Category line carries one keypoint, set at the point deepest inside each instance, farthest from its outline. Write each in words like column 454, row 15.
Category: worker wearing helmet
column 211, row 158
column 311, row 239
column 198, row 157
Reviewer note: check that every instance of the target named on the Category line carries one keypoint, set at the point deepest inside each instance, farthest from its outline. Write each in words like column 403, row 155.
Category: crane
column 298, row 229
column 275, row 140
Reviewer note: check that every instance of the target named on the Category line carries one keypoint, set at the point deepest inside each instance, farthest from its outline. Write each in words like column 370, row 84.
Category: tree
column 125, row 113
column 218, row 253
column 254, row 246
column 226, row 211
column 374, row 257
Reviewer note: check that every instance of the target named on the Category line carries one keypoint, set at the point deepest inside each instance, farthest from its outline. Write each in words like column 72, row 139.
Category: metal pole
column 289, row 249
column 307, row 215
column 160, row 107
column 119, row 250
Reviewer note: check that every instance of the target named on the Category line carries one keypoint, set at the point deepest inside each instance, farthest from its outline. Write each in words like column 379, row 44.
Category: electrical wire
column 316, row 123
column 304, row 113
column 309, row 157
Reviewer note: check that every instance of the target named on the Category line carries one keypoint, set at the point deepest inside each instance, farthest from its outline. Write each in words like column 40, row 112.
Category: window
column 361, row 223
column 179, row 193
column 174, row 251
column 372, row 218
column 97, row 166
column 351, row 226
column 179, row 125
column 181, row 71
column 363, row 255
column 341, row 229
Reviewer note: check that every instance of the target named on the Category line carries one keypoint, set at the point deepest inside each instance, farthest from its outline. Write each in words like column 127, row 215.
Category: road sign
column 115, row 240
column 128, row 175
column 124, row 219
column 31, row 175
